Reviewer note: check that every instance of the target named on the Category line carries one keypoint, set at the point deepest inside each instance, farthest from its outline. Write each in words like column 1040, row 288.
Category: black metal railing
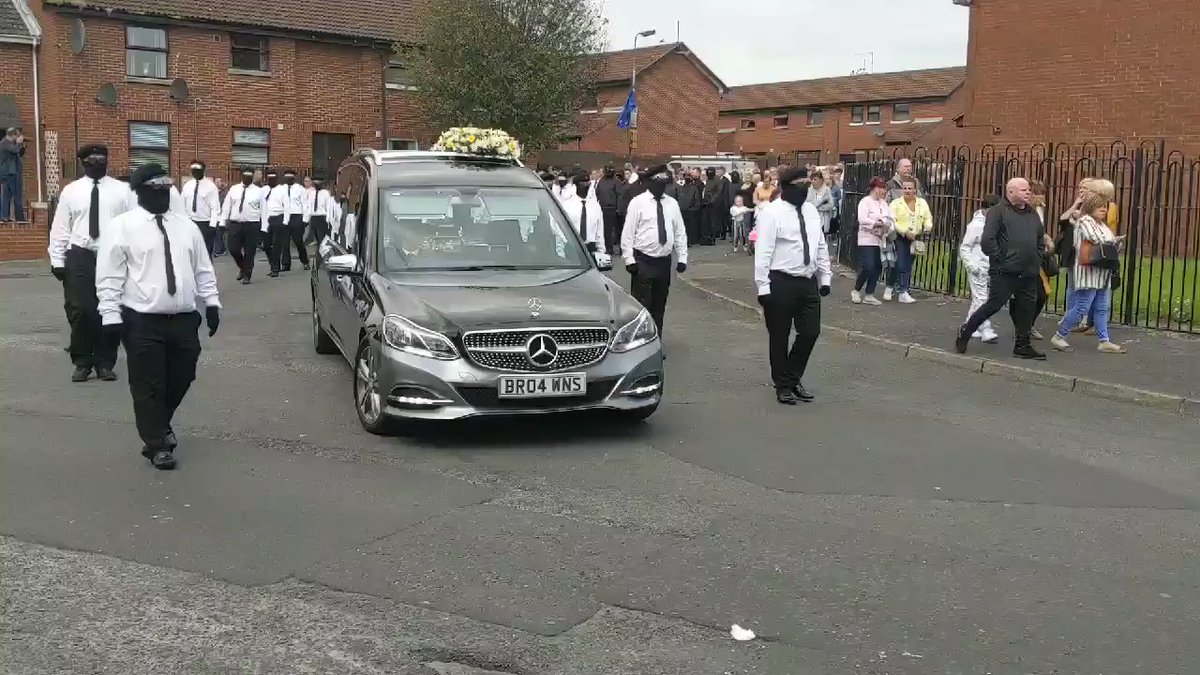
column 1157, row 195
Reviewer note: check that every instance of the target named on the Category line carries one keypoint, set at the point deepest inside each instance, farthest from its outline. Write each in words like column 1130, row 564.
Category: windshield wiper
column 483, row 268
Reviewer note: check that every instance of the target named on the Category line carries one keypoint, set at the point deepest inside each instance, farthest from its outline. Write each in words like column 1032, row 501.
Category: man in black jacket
column 712, row 200
column 686, row 191
column 1014, row 241
column 608, row 190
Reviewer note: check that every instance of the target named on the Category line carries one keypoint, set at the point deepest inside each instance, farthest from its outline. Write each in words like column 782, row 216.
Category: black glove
column 762, row 299
column 591, row 247
column 824, row 291
column 59, row 273
column 113, row 330
column 681, row 267
column 631, row 268
column 212, row 316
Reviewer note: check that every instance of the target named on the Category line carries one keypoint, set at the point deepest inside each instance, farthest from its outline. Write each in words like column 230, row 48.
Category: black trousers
column 320, row 228
column 162, row 350
column 651, row 284
column 277, row 233
column 710, row 224
column 612, row 228
column 90, row 347
column 243, row 240
column 208, row 232
column 1020, row 292
column 794, row 303
column 295, row 232
column 691, row 224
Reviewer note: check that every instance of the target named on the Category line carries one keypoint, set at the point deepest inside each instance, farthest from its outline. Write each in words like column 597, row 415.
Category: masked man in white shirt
column 586, row 215
column 242, row 216
column 202, row 202
column 152, row 269
column 274, row 213
column 86, row 208
column 316, row 212
column 294, row 215
column 793, row 272
column 653, row 235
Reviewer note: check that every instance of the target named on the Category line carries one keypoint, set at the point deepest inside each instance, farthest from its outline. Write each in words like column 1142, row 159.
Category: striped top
column 1087, row 276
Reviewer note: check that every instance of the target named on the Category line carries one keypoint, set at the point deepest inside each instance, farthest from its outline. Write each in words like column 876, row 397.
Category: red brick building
column 1075, row 71
column 678, row 97
column 820, row 121
column 19, row 38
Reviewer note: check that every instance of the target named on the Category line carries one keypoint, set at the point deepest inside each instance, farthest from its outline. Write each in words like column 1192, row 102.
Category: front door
column 328, row 152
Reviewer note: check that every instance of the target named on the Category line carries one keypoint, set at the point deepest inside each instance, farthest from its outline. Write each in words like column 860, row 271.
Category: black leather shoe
column 273, row 274
column 962, row 341
column 245, row 281
column 81, row 374
column 1028, row 352
column 307, row 267
column 786, row 397
column 170, row 439
column 241, row 275
column 802, row 393
column 163, row 460
column 106, row 375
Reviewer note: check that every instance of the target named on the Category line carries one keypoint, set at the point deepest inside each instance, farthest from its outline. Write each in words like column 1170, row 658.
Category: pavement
column 1161, row 369
column 915, row 519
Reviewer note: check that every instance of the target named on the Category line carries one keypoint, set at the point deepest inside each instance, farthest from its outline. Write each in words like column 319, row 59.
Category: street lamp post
column 633, row 86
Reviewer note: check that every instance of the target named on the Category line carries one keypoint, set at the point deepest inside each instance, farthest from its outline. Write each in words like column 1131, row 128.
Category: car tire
column 368, row 401
column 322, row 343
column 639, row 415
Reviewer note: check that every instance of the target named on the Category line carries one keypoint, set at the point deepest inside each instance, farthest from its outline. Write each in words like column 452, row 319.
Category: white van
column 702, row 162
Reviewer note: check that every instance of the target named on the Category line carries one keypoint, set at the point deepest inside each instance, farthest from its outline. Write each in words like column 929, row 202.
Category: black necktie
column 804, row 237
column 583, row 222
column 170, row 261
column 94, row 212
column 242, row 203
column 315, row 193
column 662, row 224
column 196, row 199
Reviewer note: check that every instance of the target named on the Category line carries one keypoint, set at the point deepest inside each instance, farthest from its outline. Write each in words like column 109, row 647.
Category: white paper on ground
column 741, row 634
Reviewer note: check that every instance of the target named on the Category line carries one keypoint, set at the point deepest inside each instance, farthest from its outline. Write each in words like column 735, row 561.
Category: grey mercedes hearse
column 456, row 287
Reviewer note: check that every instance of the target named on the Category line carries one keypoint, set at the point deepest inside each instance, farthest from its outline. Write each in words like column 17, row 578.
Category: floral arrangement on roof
column 476, row 141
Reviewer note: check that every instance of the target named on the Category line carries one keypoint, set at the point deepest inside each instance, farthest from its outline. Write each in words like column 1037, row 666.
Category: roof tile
column 618, row 66
column 897, row 86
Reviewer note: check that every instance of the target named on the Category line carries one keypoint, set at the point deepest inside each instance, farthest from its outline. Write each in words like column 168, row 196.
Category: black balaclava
column 95, row 161
column 247, row 178
column 621, row 176
column 562, row 181
column 272, row 179
column 657, row 180
column 582, row 184
column 609, row 171
column 789, row 191
column 197, row 170
column 155, row 197
column 289, row 178
column 711, row 173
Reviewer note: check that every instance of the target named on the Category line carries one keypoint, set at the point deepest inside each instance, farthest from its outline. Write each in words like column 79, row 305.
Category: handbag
column 919, row 247
column 1050, row 265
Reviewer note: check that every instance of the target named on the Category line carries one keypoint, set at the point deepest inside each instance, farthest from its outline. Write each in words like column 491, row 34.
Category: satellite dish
column 107, row 95
column 78, row 36
column 179, row 90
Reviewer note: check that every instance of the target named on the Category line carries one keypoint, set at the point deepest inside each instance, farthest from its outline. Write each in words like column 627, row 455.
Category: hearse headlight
column 641, row 331
column 400, row 333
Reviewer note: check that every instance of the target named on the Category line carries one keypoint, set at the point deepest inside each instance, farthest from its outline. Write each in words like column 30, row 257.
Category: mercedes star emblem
column 542, row 350
column 535, row 307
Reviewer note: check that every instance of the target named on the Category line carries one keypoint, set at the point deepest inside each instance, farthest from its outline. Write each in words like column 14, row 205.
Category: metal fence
column 1158, row 199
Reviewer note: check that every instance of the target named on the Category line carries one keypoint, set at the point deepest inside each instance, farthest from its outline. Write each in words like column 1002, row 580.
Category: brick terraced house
column 20, row 36
column 823, row 120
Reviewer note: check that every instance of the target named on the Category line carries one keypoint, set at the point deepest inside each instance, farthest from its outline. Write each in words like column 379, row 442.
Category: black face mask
column 609, row 173
column 247, row 179
column 95, row 169
column 794, row 194
column 657, row 187
column 156, row 200
column 197, row 173
column 290, row 180
column 562, row 182
column 272, row 181
column 581, row 189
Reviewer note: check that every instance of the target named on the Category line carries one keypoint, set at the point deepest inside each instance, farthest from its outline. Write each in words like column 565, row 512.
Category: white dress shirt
column 237, row 209
column 641, row 229
column 780, row 245
column 573, row 206
column 131, row 267
column 73, row 216
column 294, row 198
column 321, row 208
column 274, row 204
column 201, row 200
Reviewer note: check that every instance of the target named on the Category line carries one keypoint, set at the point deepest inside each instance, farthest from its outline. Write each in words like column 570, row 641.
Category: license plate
column 543, row 386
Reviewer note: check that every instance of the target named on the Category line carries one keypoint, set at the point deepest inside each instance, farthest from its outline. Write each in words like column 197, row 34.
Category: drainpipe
column 37, row 118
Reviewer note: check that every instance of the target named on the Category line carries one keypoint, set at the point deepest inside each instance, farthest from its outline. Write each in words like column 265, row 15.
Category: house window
column 748, row 125
column 251, row 147
column 873, row 114
column 249, row 52
column 149, row 142
column 146, row 52
column 857, row 114
column 780, row 121
column 402, row 144
column 901, row 112
column 397, row 75
column 816, row 118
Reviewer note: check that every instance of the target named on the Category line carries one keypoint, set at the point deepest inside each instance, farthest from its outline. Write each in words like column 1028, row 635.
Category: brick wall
column 18, row 80
column 834, row 135
column 1082, row 70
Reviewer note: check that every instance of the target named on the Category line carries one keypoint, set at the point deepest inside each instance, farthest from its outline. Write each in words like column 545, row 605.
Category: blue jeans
column 904, row 264
column 1084, row 300
column 869, row 267
column 1091, row 312
column 10, row 199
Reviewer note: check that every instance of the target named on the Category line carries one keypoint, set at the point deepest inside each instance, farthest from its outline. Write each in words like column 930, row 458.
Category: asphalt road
column 914, row 519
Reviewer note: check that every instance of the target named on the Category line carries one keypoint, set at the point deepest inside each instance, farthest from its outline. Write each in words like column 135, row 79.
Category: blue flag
column 626, row 119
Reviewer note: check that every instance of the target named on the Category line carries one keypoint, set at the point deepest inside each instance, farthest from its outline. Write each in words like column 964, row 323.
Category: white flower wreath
column 476, row 141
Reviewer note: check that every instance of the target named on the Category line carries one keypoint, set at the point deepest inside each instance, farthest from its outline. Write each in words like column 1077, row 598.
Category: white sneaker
column 856, row 297
column 1059, row 343
column 887, row 295
column 871, row 300
column 990, row 337
column 906, row 299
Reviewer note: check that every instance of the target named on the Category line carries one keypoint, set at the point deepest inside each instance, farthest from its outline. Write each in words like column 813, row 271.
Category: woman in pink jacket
column 874, row 222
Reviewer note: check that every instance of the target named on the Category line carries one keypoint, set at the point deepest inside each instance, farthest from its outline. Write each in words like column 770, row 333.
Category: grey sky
column 773, row 40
